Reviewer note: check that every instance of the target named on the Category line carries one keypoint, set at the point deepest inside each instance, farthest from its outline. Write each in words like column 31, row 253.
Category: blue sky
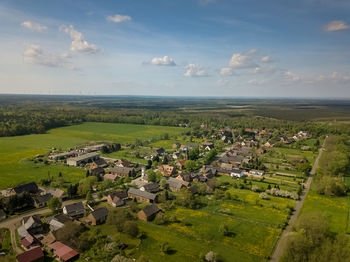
column 253, row 48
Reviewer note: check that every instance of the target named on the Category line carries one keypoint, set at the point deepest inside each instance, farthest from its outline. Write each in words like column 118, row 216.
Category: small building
column 185, row 176
column 32, row 224
column 117, row 199
column 29, row 241
column 122, row 171
column 141, row 195
column 58, row 221
column 150, row 187
column 97, row 171
column 99, row 163
column 98, row 216
column 41, row 200
column 237, row 173
column 148, row 213
column 256, row 172
column 110, row 177
column 176, row 184
column 83, row 159
column 31, row 188
column 180, row 164
column 59, row 193
column 63, row 252
column 74, row 210
column 166, row 170
column 208, row 145
column 159, row 152
column 34, row 254
column 63, row 155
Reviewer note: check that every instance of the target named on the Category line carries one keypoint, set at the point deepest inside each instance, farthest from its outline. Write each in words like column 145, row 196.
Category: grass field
column 15, row 152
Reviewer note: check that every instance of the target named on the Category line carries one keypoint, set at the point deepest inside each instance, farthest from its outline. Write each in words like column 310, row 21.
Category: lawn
column 15, row 152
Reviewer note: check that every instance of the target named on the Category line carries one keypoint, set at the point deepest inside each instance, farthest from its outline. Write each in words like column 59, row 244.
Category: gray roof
column 100, row 213
column 29, row 188
column 85, row 156
column 151, row 186
column 176, row 183
column 42, row 198
column 75, row 209
column 151, row 210
column 140, row 193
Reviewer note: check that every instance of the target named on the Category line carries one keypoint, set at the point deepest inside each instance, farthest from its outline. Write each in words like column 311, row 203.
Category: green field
column 16, row 152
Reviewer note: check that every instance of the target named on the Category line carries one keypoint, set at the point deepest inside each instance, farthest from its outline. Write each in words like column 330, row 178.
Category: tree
column 193, row 154
column 89, row 198
column 54, row 204
column 191, row 165
column 131, row 228
column 210, row 157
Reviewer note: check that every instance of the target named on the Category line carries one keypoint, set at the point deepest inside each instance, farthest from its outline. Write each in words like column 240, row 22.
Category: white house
column 237, row 173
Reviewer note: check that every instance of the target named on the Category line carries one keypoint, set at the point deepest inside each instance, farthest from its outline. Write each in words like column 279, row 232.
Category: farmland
column 16, row 152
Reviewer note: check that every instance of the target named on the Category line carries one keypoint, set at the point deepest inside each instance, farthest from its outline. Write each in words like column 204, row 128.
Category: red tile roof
column 30, row 255
column 62, row 251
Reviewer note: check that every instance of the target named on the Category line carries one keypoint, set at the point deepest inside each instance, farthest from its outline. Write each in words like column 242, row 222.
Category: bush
column 131, row 228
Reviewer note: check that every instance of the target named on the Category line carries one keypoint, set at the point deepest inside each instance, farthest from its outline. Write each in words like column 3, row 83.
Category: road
column 282, row 242
column 12, row 223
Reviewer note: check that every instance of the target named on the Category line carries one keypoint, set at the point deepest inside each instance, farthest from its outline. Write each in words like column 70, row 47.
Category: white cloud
column 242, row 61
column 118, row 18
column 266, row 59
column 292, row 77
column 32, row 26
column 163, row 61
column 34, row 54
column 336, row 26
column 78, row 42
column 227, row 71
column 194, row 70
column 256, row 82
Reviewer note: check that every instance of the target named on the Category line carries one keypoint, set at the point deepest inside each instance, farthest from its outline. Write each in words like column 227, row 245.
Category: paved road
column 282, row 242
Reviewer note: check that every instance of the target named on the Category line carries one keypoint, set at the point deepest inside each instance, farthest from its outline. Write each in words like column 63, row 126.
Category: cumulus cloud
column 34, row 54
column 227, row 71
column 194, row 70
column 79, row 44
column 118, row 18
column 32, row 26
column 163, row 61
column 242, row 61
column 266, row 59
column 336, row 26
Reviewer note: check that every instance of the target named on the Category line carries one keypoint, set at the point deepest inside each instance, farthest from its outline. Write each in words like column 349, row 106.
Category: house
column 34, row 254
column 32, row 224
column 209, row 171
column 123, row 164
column 166, row 170
column 176, row 184
column 176, row 145
column 159, row 152
column 63, row 252
column 110, row 177
column 74, row 210
column 97, row 171
column 31, row 187
column 237, row 173
column 41, row 201
column 58, row 221
column 99, row 163
column 83, row 159
column 29, row 241
column 180, row 164
column 226, row 166
column 122, row 171
column 117, row 199
column 208, row 145
column 142, row 195
column 148, row 213
column 150, row 187
column 63, row 155
column 98, row 216
column 48, row 239
column 185, row 176
column 58, row 193
column 2, row 215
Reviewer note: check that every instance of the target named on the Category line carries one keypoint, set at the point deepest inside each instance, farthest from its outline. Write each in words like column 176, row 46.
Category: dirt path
column 282, row 242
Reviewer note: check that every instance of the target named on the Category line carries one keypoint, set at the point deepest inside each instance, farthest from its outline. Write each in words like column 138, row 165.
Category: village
column 171, row 175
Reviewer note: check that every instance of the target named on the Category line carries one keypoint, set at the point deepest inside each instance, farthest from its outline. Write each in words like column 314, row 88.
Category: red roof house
column 35, row 254
column 63, row 252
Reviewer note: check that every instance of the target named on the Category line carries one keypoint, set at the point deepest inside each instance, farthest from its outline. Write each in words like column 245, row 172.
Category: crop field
column 16, row 152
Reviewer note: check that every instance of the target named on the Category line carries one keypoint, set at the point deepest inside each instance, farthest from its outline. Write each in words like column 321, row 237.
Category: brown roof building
column 148, row 213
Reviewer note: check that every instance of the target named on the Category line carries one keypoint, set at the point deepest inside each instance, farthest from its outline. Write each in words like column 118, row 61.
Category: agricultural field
column 16, row 152
column 254, row 224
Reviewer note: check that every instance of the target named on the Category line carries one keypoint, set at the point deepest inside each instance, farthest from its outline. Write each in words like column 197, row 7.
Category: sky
column 213, row 48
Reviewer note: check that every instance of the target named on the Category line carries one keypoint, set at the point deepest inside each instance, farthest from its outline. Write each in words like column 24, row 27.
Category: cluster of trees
column 16, row 202
column 313, row 241
column 124, row 222
column 334, row 165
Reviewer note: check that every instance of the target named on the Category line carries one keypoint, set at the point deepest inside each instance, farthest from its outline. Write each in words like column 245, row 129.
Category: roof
column 22, row 231
column 176, row 183
column 151, row 186
column 97, row 171
column 100, row 162
column 119, row 194
column 58, row 193
column 85, row 156
column 42, row 198
column 151, row 210
column 29, row 187
column 32, row 222
column 75, row 209
column 140, row 193
column 31, row 255
column 27, row 240
column 237, row 171
column 120, row 170
column 100, row 213
column 62, row 251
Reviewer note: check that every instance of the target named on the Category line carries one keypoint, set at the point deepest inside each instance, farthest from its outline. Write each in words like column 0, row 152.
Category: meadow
column 16, row 152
